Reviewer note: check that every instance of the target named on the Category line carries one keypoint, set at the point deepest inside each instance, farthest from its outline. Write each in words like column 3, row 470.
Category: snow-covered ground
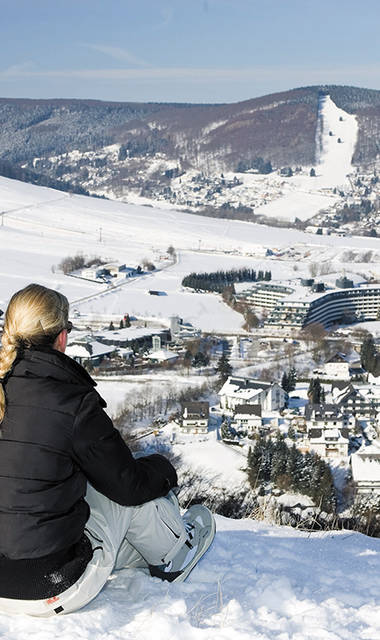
column 256, row 582
column 221, row 464
column 303, row 196
column 333, row 157
column 41, row 226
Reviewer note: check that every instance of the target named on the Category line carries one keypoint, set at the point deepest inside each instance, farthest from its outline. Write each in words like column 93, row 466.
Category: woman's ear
column 61, row 341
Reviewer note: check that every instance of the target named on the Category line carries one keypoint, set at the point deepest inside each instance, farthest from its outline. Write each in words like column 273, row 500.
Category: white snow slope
column 303, row 196
column 256, row 582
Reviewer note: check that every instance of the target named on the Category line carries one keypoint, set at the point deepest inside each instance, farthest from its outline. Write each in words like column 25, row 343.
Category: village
column 327, row 404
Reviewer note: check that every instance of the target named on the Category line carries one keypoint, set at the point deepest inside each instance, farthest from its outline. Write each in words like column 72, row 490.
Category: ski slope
column 256, row 582
column 303, row 196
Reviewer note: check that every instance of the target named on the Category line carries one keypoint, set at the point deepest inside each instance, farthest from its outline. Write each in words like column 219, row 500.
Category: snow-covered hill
column 257, row 582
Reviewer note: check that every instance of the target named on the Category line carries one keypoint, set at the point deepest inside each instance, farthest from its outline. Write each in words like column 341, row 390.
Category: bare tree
column 313, row 269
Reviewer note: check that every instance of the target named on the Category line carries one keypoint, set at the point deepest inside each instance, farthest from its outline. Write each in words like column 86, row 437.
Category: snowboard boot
column 200, row 526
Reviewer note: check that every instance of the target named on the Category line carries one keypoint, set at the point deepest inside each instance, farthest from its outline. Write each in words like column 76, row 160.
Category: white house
column 360, row 400
column 238, row 390
column 328, row 430
column 323, row 416
column 365, row 466
column 329, row 443
column 195, row 417
column 341, row 366
column 247, row 417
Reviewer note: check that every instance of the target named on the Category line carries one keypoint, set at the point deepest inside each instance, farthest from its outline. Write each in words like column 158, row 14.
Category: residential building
column 360, row 401
column 322, row 416
column 365, row 467
column 328, row 443
column 238, row 390
column 328, row 308
column 342, row 366
column 264, row 294
column 195, row 417
column 247, row 418
column 327, row 430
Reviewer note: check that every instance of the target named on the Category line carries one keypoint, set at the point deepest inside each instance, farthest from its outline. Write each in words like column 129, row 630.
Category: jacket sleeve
column 108, row 464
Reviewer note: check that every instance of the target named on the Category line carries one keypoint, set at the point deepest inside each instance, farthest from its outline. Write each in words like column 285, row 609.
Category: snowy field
column 256, row 582
column 41, row 226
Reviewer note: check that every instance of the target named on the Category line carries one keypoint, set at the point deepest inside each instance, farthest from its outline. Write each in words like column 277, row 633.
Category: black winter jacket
column 55, row 437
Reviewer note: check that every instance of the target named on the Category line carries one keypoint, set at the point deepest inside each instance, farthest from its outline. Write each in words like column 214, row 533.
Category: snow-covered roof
column 90, row 349
column 365, row 464
column 129, row 333
column 324, row 436
column 161, row 355
column 340, row 357
column 369, row 392
column 244, row 388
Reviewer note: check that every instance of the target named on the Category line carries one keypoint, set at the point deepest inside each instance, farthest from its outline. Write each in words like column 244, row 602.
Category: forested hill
column 41, row 135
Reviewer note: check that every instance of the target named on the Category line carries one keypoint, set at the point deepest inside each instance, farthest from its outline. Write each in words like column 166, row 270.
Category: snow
column 256, row 582
column 221, row 464
column 293, row 499
column 366, row 463
column 334, row 159
column 303, row 196
column 42, row 226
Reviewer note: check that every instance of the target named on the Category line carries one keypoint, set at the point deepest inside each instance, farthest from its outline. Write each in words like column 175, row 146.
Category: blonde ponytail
column 7, row 357
column 34, row 317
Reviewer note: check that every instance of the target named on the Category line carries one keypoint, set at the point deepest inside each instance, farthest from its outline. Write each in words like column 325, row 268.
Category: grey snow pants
column 121, row 537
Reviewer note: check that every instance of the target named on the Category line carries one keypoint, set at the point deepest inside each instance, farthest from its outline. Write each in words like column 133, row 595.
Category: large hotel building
column 306, row 302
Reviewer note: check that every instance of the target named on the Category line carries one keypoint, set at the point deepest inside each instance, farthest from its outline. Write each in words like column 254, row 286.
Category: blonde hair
column 34, row 317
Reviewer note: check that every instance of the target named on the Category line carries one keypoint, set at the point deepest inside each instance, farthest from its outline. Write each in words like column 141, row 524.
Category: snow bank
column 257, row 582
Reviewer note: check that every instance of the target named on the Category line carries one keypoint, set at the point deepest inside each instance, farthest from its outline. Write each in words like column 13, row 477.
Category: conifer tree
column 291, row 433
column 368, row 354
column 280, row 451
column 255, row 466
column 314, row 391
column 223, row 368
column 285, row 382
column 291, row 463
column 292, row 377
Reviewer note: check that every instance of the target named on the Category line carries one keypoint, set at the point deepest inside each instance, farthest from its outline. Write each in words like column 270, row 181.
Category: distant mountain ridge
column 102, row 146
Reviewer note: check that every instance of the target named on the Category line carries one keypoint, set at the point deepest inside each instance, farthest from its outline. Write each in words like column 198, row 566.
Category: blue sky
column 184, row 50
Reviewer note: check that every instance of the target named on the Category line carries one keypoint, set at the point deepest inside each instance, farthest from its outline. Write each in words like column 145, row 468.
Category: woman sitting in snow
column 74, row 503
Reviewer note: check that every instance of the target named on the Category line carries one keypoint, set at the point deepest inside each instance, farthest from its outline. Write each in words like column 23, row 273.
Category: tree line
column 289, row 469
column 218, row 280
column 258, row 164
